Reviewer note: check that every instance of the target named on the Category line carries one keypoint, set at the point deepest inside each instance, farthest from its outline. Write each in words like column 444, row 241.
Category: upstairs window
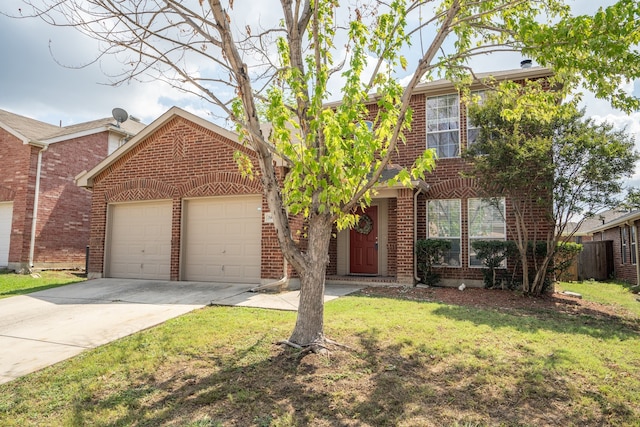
column 478, row 98
column 443, row 222
column 443, row 125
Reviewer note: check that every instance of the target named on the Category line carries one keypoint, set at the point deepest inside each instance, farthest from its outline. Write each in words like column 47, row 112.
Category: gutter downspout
column 36, row 199
column 634, row 229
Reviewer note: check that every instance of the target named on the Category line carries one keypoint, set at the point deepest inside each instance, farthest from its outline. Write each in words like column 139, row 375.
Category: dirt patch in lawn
column 500, row 299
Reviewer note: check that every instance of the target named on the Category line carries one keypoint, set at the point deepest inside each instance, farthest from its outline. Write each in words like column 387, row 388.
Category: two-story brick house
column 44, row 216
column 172, row 205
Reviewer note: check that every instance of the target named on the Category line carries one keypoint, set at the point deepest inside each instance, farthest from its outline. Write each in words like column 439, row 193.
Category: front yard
column 18, row 284
column 415, row 359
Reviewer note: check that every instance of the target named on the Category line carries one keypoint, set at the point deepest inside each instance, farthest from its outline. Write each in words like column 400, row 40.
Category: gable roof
column 444, row 86
column 29, row 130
column 530, row 73
column 626, row 219
column 25, row 128
column 85, row 178
column 595, row 221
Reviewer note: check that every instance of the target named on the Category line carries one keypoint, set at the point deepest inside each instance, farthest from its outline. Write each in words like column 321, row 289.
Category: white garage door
column 6, row 213
column 222, row 237
column 140, row 240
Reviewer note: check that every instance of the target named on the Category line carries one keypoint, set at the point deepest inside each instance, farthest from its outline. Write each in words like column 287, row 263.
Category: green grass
column 410, row 364
column 19, row 284
column 610, row 293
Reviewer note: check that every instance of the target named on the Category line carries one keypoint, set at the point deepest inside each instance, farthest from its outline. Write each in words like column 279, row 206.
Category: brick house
column 172, row 205
column 44, row 216
column 622, row 231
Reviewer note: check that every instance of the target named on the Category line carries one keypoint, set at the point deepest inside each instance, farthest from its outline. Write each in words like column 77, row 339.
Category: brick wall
column 17, row 185
column 62, row 232
column 446, row 181
column 404, row 232
column 622, row 270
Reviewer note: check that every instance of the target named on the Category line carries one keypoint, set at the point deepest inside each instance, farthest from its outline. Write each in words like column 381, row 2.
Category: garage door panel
column 6, row 216
column 140, row 240
column 222, row 239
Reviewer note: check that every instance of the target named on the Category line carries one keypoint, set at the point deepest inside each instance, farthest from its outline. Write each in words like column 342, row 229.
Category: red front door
column 364, row 243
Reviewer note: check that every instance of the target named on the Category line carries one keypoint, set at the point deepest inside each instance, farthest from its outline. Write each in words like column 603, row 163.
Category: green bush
column 493, row 254
column 429, row 253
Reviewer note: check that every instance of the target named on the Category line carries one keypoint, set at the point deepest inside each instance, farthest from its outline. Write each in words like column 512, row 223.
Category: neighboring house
column 583, row 233
column 44, row 216
column 171, row 204
column 623, row 233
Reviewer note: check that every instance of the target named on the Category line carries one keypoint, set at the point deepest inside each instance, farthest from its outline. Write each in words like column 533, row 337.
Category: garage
column 222, row 238
column 139, row 245
column 6, row 214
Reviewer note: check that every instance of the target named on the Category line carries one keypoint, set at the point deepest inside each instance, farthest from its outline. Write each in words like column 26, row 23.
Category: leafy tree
column 556, row 165
column 286, row 66
column 632, row 199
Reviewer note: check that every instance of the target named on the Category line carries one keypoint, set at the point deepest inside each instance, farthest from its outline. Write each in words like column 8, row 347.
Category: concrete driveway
column 46, row 327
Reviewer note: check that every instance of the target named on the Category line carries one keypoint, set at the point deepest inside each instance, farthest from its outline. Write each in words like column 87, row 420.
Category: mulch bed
column 499, row 299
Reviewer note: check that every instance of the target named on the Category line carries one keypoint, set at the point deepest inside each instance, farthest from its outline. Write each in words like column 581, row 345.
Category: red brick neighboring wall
column 622, row 271
column 17, row 185
column 181, row 159
column 62, row 224
column 62, row 232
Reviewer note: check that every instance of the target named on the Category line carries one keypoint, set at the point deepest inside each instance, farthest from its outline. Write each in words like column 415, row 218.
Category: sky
column 40, row 77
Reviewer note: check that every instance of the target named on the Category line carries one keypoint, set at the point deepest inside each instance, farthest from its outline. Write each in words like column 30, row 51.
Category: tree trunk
column 541, row 274
column 309, row 329
column 525, row 271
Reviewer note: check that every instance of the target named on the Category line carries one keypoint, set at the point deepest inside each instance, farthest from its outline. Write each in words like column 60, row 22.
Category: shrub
column 429, row 253
column 493, row 254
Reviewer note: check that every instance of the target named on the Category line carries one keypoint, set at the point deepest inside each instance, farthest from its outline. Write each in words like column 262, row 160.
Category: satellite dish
column 120, row 115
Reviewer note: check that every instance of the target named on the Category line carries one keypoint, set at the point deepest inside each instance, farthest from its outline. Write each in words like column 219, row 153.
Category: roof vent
column 526, row 63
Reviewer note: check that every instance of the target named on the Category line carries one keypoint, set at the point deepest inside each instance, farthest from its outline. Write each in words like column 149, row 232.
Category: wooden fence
column 596, row 260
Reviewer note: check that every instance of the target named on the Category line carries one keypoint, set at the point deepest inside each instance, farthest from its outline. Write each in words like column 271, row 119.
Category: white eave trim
column 66, row 137
column 623, row 220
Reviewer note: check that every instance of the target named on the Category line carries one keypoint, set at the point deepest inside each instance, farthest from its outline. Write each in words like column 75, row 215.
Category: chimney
column 525, row 63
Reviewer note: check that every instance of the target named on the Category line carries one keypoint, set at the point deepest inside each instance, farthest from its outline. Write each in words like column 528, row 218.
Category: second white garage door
column 6, row 213
column 222, row 237
column 140, row 240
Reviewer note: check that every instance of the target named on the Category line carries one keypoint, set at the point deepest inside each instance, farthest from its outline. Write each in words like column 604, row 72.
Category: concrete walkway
column 46, row 327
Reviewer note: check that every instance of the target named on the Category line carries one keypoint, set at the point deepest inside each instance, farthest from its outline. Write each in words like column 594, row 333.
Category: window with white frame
column 477, row 97
column 486, row 222
column 443, row 222
column 443, row 125
column 623, row 243
column 634, row 242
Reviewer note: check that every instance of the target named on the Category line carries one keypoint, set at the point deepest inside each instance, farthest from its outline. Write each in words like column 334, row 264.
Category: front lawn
column 410, row 363
column 18, row 284
column 615, row 294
